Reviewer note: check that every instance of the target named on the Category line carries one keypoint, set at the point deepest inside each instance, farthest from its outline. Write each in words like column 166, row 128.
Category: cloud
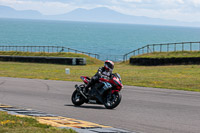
column 184, row 10
column 132, row 1
column 196, row 3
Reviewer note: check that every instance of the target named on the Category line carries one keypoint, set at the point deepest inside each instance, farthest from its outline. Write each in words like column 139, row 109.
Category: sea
column 109, row 40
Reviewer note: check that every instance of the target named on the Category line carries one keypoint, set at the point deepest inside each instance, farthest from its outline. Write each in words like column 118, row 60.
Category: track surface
column 147, row 110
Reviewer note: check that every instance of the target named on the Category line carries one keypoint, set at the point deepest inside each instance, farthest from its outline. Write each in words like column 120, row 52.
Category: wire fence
column 45, row 49
column 166, row 47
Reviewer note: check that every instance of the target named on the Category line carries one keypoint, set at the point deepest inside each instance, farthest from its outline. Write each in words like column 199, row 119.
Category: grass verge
column 14, row 124
column 181, row 77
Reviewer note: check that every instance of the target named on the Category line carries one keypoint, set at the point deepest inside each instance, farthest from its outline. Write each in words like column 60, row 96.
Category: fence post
column 167, row 47
column 125, row 57
column 160, row 47
column 199, row 46
column 175, row 47
column 182, row 46
column 142, row 50
column 190, row 46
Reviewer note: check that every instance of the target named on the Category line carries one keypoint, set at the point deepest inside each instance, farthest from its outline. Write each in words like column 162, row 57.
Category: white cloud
column 132, row 0
column 181, row 1
column 183, row 10
column 196, row 3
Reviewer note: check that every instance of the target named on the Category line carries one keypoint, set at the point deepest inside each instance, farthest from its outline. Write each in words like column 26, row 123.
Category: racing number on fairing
column 107, row 85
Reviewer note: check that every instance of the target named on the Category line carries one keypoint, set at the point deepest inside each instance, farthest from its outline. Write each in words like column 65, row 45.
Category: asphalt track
column 148, row 110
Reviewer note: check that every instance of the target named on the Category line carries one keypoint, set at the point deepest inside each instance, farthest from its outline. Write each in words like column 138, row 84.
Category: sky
column 182, row 10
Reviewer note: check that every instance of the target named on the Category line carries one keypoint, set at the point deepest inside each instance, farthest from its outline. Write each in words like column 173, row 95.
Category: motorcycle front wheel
column 77, row 98
column 113, row 100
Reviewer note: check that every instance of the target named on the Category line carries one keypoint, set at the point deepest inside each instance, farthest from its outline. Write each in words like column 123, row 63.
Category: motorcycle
column 106, row 92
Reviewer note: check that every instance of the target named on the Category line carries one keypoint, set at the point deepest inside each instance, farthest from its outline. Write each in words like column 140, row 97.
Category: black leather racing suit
column 100, row 73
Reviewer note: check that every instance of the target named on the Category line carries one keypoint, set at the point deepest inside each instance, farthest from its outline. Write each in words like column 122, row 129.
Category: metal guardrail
column 166, row 47
column 46, row 49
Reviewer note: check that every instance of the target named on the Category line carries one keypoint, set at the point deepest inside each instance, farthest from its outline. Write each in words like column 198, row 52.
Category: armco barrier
column 164, row 61
column 42, row 59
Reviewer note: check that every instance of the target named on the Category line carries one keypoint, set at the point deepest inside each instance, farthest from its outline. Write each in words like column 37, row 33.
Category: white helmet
column 109, row 65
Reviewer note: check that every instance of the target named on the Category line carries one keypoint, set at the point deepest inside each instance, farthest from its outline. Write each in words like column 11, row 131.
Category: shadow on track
column 86, row 107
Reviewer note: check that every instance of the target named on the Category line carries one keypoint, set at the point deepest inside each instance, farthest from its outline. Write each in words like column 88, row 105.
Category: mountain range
column 100, row 14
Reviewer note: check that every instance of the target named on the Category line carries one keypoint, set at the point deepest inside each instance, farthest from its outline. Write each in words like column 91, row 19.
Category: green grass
column 178, row 54
column 14, row 124
column 181, row 77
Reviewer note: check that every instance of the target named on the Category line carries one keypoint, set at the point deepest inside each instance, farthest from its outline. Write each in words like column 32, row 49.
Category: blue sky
column 182, row 10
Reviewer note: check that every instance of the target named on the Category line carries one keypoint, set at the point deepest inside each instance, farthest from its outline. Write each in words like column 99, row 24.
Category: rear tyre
column 110, row 102
column 77, row 98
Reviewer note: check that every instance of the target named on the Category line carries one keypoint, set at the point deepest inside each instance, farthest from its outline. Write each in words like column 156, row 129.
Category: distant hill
column 8, row 12
column 96, row 15
column 103, row 14
column 100, row 14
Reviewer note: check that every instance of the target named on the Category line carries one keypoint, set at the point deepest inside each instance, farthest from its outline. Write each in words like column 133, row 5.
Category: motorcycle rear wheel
column 113, row 101
column 77, row 98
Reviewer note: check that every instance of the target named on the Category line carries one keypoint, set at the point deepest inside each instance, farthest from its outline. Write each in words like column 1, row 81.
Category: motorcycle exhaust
column 80, row 91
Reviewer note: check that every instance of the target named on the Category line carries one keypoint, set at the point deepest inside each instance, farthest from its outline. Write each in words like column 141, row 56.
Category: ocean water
column 110, row 41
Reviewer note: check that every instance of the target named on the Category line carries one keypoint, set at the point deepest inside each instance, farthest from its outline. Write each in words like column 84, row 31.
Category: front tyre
column 113, row 100
column 77, row 98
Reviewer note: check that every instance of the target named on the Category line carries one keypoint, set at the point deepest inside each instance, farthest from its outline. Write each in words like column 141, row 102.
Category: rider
column 103, row 72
